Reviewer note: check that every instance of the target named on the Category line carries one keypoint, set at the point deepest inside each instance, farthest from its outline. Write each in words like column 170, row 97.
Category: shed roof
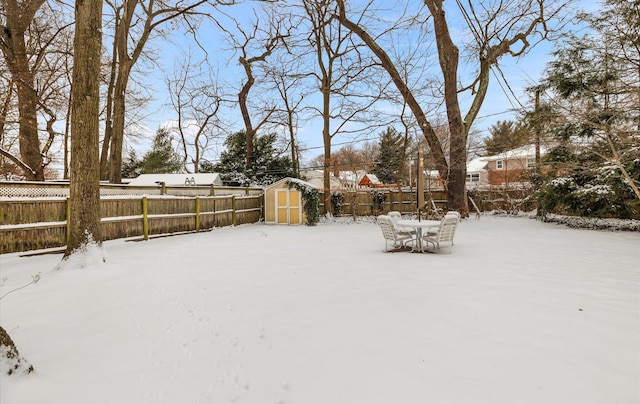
column 291, row 179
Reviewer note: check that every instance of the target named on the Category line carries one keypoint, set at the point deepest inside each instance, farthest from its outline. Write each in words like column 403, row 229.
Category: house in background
column 316, row 178
column 506, row 168
column 368, row 180
column 201, row 179
column 477, row 173
column 347, row 179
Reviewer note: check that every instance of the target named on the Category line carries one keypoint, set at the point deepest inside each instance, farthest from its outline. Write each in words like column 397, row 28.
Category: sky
column 500, row 103
column 518, row 311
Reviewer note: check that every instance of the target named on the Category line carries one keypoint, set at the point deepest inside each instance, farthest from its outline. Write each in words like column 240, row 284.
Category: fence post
column 212, row 190
column 233, row 210
column 197, row 213
column 68, row 217
column 145, row 218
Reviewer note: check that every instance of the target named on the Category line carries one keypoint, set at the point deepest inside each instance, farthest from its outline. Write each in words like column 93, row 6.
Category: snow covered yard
column 520, row 312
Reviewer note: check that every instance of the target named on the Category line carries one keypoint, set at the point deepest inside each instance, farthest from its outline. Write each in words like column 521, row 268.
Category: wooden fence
column 35, row 215
column 378, row 201
column 36, row 223
column 32, row 189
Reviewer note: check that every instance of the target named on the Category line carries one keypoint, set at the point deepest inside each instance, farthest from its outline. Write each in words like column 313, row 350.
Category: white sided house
column 316, row 178
column 477, row 173
column 172, row 180
column 507, row 168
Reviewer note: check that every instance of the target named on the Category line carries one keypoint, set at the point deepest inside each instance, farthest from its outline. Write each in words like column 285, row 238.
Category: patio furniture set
column 418, row 233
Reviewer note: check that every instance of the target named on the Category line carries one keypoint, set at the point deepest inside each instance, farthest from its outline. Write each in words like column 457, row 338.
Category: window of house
column 473, row 178
column 500, row 164
column 531, row 162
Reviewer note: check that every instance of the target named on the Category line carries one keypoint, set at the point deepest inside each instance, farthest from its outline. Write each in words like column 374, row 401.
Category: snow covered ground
column 520, row 312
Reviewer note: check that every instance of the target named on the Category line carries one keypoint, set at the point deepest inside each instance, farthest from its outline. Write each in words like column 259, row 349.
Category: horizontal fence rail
column 60, row 189
column 37, row 223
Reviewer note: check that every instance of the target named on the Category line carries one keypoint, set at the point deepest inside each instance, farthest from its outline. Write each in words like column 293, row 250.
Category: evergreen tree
column 267, row 166
column 505, row 135
column 593, row 82
column 388, row 167
column 161, row 159
column 131, row 165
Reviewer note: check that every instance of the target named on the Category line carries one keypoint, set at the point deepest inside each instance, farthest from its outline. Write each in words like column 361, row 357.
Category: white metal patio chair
column 445, row 233
column 457, row 215
column 391, row 234
column 449, row 213
column 454, row 213
column 395, row 216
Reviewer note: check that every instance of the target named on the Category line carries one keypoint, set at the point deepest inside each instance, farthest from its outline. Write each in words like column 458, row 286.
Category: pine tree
column 131, row 165
column 268, row 164
column 505, row 135
column 390, row 156
column 593, row 83
column 161, row 159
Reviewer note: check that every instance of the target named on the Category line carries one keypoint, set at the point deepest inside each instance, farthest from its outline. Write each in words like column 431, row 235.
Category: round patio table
column 418, row 225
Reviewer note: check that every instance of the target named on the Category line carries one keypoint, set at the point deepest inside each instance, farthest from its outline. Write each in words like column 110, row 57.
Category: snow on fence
column 38, row 223
column 29, row 189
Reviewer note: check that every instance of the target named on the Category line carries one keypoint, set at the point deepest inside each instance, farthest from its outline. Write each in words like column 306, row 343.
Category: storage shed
column 282, row 204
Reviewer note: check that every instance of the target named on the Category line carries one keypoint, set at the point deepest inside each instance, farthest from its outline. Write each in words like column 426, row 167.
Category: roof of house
column 476, row 165
column 316, row 178
column 520, row 152
column 177, row 179
column 372, row 177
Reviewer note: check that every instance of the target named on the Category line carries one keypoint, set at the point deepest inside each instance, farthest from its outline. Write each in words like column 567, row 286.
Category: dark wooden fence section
column 36, row 223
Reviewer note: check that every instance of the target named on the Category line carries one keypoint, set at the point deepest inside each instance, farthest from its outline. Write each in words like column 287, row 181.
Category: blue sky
column 500, row 103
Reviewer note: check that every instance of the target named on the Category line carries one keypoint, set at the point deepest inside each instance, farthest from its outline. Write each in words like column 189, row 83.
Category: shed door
column 288, row 210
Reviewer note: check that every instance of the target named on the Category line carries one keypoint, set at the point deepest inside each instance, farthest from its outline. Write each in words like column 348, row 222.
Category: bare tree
column 287, row 84
column 13, row 30
column 343, row 77
column 196, row 99
column 84, row 201
column 497, row 31
column 135, row 22
column 270, row 39
column 28, row 37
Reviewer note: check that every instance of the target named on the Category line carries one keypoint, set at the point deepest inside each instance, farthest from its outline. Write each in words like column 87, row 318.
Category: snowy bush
column 379, row 197
column 337, row 199
column 310, row 200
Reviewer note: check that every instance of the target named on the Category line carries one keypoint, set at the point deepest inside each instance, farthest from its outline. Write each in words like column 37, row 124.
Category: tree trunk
column 28, row 132
column 84, row 221
column 15, row 364
column 448, row 56
column 117, row 132
column 425, row 126
column 108, row 127
column 12, row 43
column 244, row 109
column 326, row 138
